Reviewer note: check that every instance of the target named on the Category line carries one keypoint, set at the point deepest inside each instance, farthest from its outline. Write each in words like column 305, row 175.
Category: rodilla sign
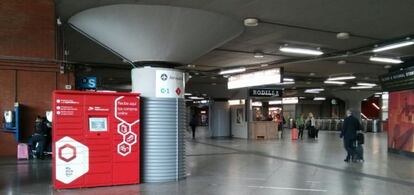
column 95, row 139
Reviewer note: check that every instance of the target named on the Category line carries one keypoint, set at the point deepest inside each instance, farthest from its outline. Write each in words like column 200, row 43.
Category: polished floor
column 223, row 166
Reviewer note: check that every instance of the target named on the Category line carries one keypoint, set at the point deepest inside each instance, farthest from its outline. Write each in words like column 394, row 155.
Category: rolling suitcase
column 294, row 134
column 360, row 138
column 359, row 152
column 312, row 132
column 22, row 151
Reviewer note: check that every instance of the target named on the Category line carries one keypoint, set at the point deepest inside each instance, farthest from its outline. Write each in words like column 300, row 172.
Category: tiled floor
column 223, row 166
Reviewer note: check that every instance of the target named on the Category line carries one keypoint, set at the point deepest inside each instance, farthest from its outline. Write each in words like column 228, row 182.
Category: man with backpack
column 349, row 134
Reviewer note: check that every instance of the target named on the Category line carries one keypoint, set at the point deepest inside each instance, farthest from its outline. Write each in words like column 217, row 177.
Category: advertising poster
column 401, row 121
column 239, row 115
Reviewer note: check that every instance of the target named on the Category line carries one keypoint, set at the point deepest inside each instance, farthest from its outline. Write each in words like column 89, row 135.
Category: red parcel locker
column 95, row 139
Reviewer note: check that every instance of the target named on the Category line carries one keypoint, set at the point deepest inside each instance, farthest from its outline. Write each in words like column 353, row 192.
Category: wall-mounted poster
column 239, row 115
column 401, row 121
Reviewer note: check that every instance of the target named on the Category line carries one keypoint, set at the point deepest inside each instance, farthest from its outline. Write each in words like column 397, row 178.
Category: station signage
column 265, row 92
column 169, row 84
column 398, row 80
column 257, row 78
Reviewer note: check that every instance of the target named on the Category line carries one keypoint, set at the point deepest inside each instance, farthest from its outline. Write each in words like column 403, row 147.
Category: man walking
column 349, row 132
column 193, row 124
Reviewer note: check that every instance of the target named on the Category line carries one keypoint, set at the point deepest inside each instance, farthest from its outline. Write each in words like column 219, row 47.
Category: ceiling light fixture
column 335, row 82
column 231, row 71
column 387, row 66
column 341, row 62
column 363, row 115
column 339, row 78
column 343, row 35
column 296, row 50
column 288, row 80
column 187, row 94
column 318, row 90
column 394, row 45
column 367, row 84
column 385, row 60
column 195, row 98
column 258, row 55
column 361, row 87
column 375, row 105
column 251, row 22
column 319, row 98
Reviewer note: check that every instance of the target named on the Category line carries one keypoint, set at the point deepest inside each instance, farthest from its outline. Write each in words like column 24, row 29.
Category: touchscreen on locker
column 98, row 124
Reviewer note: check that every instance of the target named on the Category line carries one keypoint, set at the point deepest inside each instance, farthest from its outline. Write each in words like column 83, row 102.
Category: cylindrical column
column 163, row 123
column 163, row 148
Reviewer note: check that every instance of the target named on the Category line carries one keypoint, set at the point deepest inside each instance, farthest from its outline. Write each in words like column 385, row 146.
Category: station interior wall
column 29, row 71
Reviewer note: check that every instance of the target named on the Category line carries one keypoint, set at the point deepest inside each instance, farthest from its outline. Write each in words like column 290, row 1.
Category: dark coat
column 350, row 127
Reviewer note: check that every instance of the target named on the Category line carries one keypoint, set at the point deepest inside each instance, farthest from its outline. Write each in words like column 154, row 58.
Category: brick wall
column 28, row 71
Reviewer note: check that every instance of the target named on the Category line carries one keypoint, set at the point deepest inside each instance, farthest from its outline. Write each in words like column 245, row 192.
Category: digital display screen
column 98, row 124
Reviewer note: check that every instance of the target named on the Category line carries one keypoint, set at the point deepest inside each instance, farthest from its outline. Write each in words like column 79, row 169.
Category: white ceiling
column 303, row 23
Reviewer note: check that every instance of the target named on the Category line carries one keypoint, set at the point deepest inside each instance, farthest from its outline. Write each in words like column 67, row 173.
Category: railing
column 370, row 125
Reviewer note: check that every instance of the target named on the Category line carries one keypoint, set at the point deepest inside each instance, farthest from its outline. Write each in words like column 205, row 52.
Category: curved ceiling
column 148, row 33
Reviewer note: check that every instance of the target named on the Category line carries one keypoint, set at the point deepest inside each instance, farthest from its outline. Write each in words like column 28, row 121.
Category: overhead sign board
column 398, row 80
column 265, row 92
column 86, row 82
column 258, row 78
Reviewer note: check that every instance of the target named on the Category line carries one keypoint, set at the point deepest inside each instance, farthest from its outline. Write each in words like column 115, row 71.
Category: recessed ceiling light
column 317, row 90
column 361, row 87
column 231, row 71
column 335, row 82
column 319, row 98
column 251, row 22
column 341, row 62
column 258, row 55
column 385, row 60
column 394, row 45
column 339, row 78
column 288, row 80
column 367, row 84
column 297, row 50
column 191, row 66
column 195, row 98
column 187, row 94
column 343, row 35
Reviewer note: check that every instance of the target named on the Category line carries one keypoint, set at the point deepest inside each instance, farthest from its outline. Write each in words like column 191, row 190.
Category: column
column 163, row 119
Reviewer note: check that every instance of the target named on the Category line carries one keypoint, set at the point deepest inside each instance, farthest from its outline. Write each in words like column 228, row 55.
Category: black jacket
column 350, row 127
